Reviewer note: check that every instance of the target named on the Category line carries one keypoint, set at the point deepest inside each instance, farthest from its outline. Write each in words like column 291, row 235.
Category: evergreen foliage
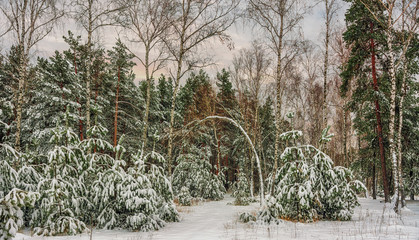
column 62, row 191
column 307, row 187
column 195, row 173
column 11, row 214
column 241, row 190
column 184, row 197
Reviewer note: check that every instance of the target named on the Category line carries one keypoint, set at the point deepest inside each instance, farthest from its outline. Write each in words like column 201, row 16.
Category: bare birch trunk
column 278, row 95
column 88, row 67
column 326, row 63
column 20, row 97
column 147, row 109
column 172, row 112
column 399, row 139
column 391, row 136
column 218, row 148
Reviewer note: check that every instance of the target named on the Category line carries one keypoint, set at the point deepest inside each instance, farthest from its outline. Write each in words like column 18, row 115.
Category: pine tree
column 368, row 40
column 241, row 190
column 194, row 172
column 62, row 191
column 307, row 187
column 50, row 98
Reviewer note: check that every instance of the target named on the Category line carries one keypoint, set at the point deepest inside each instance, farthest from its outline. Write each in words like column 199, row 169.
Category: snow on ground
column 219, row 220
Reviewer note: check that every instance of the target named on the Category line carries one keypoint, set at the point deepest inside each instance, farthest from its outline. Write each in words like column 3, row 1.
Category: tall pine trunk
column 115, row 122
column 379, row 125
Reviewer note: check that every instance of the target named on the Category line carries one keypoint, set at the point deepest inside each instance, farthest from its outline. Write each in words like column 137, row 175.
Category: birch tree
column 147, row 25
column 92, row 15
column 331, row 8
column 28, row 22
column 409, row 29
column 278, row 20
column 195, row 22
column 396, row 58
column 251, row 69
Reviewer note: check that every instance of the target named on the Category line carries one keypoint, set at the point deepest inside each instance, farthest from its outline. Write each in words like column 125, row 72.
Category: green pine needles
column 308, row 187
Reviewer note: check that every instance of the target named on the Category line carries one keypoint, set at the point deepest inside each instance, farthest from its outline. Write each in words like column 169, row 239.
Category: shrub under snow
column 194, row 173
column 307, row 187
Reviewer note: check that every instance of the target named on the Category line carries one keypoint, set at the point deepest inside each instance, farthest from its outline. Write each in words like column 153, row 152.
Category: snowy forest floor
column 219, row 220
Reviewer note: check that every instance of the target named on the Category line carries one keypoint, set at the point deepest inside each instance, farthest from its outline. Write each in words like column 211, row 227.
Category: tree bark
column 115, row 122
column 278, row 94
column 399, row 139
column 172, row 113
column 147, row 109
column 326, row 63
column 88, row 67
column 374, row 187
column 391, row 136
column 379, row 125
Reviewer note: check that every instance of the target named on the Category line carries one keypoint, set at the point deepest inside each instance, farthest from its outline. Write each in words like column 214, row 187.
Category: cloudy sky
column 242, row 35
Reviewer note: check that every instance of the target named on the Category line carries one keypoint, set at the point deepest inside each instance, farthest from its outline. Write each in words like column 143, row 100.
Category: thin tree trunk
column 78, row 101
column 345, row 139
column 326, row 63
column 391, row 136
column 20, row 97
column 147, row 109
column 172, row 113
column 399, row 139
column 379, row 126
column 218, row 148
column 374, row 187
column 115, row 122
column 80, row 122
column 89, row 57
column 278, row 95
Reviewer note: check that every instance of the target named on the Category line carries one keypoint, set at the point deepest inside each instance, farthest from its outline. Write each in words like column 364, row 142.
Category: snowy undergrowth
column 82, row 183
column 308, row 187
column 194, row 172
column 220, row 220
column 371, row 220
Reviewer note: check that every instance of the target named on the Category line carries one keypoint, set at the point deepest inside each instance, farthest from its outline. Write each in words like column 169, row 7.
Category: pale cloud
column 241, row 34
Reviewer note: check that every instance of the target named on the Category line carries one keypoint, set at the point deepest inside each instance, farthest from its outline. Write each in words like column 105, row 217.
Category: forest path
column 208, row 220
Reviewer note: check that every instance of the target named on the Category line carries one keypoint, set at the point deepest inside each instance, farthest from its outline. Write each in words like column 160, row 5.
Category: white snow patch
column 219, row 220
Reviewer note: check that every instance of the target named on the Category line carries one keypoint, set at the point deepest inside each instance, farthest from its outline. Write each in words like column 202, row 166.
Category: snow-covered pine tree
column 62, row 191
column 161, row 184
column 184, row 197
column 11, row 214
column 106, row 188
column 8, row 175
column 194, row 172
column 54, row 92
column 307, row 187
column 241, row 190
column 138, row 200
column 8, row 68
column 12, row 199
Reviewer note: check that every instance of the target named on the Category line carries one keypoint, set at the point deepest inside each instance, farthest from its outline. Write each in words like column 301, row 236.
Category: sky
column 241, row 34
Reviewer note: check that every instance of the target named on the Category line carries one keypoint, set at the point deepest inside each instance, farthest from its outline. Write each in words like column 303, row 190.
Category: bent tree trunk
column 262, row 197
